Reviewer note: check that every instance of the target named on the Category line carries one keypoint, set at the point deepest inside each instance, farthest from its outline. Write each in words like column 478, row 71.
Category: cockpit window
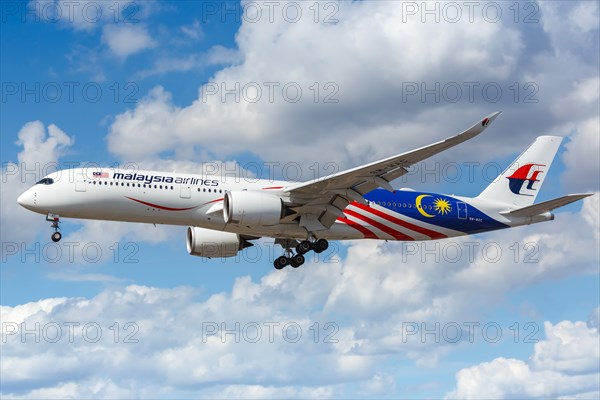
column 46, row 181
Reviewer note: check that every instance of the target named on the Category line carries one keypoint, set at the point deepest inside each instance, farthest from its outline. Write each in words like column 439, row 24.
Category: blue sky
column 377, row 78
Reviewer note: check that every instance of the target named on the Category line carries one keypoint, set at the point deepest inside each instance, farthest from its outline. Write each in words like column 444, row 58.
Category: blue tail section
column 436, row 209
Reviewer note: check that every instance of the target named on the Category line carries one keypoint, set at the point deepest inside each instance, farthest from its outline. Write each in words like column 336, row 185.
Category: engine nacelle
column 214, row 244
column 252, row 208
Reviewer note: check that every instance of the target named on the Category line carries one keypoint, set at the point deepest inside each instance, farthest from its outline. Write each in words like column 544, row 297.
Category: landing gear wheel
column 280, row 262
column 297, row 260
column 321, row 245
column 54, row 218
column 56, row 236
column 304, row 247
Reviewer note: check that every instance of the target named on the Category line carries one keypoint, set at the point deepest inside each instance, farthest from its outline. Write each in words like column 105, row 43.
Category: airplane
column 224, row 215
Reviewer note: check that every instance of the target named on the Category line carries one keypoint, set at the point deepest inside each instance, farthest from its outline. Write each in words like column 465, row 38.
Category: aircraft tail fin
column 520, row 183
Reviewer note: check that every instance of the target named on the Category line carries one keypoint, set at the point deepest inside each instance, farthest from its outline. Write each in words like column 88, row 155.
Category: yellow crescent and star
column 420, row 207
column 442, row 206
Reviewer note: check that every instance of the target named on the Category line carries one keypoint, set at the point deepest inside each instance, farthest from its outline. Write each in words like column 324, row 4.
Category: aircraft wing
column 319, row 202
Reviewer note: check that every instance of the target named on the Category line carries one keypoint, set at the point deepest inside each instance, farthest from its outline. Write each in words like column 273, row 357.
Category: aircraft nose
column 26, row 199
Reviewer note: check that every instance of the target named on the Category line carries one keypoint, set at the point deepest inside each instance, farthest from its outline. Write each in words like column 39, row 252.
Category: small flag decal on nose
column 100, row 174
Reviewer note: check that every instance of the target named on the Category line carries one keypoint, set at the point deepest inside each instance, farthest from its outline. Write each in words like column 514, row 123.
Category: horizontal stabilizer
column 545, row 206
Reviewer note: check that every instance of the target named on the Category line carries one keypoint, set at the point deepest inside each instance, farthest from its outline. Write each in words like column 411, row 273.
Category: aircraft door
column 462, row 210
column 80, row 183
column 185, row 192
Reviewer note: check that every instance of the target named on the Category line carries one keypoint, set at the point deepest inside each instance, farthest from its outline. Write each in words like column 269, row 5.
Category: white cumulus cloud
column 565, row 364
column 356, row 68
column 125, row 40
column 193, row 346
column 41, row 149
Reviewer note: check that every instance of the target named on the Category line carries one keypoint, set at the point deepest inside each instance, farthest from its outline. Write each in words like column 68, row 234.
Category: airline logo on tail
column 522, row 175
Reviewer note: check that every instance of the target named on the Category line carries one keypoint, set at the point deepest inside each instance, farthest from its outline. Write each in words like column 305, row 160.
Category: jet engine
column 214, row 244
column 252, row 208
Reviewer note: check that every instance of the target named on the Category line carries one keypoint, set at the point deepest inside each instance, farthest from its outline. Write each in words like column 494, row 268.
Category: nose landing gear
column 56, row 236
column 55, row 219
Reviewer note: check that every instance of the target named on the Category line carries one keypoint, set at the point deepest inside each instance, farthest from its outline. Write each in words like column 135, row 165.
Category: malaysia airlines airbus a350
column 224, row 216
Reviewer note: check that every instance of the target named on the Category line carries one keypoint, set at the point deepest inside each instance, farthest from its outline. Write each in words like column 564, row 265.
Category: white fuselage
column 193, row 200
column 154, row 197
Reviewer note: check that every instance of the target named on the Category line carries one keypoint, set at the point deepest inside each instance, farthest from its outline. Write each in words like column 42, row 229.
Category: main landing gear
column 55, row 219
column 289, row 259
column 296, row 260
column 318, row 247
